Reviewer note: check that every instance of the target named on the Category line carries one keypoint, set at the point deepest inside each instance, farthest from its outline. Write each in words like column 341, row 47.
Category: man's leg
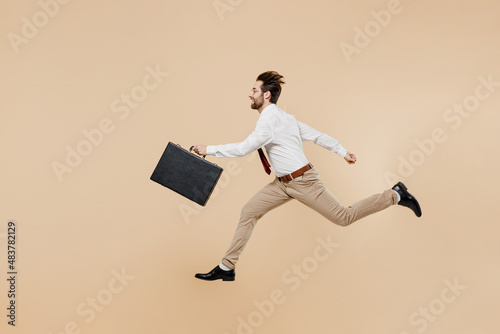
column 309, row 189
column 268, row 198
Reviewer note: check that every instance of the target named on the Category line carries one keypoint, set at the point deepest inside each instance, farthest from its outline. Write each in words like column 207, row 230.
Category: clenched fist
column 200, row 149
column 350, row 158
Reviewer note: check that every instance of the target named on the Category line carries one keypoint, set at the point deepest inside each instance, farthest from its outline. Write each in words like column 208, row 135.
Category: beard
column 256, row 104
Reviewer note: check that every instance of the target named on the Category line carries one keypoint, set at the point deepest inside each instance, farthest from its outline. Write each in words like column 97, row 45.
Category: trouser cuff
column 228, row 264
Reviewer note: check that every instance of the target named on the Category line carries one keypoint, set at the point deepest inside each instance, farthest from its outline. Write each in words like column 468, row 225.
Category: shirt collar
column 271, row 106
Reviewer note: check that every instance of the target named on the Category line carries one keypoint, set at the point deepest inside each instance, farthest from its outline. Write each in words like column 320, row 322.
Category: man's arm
column 331, row 144
column 261, row 136
column 308, row 133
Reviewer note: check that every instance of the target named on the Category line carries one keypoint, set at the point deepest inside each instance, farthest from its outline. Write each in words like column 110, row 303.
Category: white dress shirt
column 282, row 136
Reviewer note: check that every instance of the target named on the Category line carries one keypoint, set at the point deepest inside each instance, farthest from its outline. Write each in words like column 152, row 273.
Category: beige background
column 107, row 216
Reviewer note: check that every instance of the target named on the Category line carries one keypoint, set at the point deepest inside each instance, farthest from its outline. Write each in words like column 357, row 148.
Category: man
column 282, row 136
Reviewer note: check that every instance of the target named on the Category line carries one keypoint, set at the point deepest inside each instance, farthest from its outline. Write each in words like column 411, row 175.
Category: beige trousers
column 308, row 189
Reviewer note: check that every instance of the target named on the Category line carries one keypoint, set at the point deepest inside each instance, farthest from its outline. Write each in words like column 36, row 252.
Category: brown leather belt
column 295, row 174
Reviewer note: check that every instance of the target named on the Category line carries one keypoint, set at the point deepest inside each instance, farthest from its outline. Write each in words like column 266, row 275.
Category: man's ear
column 267, row 95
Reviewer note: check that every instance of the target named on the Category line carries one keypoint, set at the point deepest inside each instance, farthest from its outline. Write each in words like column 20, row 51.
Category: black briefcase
column 187, row 173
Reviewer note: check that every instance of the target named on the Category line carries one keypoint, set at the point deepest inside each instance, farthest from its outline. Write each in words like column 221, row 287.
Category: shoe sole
column 229, row 279
column 402, row 186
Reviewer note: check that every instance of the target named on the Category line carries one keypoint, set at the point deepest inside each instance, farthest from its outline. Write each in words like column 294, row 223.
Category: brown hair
column 271, row 81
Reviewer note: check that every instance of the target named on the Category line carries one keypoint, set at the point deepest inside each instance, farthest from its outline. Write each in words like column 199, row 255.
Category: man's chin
column 255, row 106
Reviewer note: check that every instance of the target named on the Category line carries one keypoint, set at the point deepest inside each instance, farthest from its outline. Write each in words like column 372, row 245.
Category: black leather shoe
column 217, row 273
column 407, row 199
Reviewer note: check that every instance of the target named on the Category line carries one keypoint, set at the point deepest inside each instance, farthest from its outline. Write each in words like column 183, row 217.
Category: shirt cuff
column 342, row 152
column 211, row 150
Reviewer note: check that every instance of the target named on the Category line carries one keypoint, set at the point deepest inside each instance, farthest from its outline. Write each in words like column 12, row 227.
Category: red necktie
column 265, row 163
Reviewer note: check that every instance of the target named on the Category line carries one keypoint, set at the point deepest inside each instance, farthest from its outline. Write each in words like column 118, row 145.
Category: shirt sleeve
column 307, row 133
column 262, row 135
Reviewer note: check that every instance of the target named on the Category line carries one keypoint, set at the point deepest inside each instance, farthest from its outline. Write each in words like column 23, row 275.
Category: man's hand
column 350, row 158
column 200, row 149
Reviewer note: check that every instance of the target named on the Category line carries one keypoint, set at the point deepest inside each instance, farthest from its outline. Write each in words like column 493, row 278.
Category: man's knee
column 344, row 217
column 249, row 214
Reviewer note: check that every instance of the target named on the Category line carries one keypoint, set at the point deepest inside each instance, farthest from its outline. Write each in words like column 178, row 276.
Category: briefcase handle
column 192, row 148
